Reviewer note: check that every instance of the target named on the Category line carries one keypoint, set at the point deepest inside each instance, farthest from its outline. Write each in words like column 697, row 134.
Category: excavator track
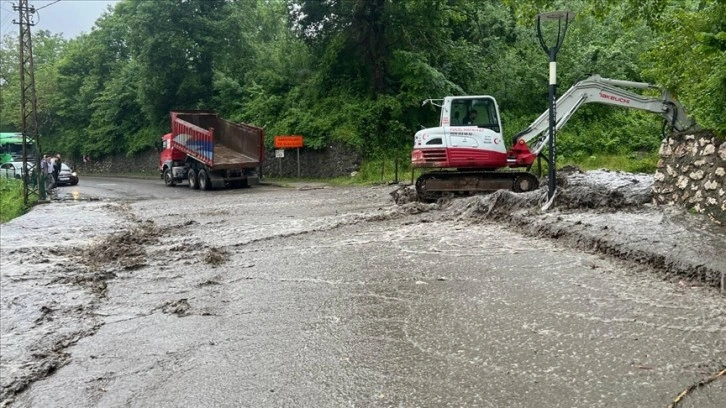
column 434, row 185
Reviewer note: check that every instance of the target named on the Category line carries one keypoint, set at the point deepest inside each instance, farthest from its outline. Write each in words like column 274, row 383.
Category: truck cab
column 169, row 154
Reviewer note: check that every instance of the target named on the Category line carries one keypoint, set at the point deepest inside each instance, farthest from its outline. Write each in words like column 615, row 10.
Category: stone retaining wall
column 692, row 173
column 146, row 162
column 332, row 161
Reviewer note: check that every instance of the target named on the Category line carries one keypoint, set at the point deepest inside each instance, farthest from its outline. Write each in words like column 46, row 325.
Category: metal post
column 561, row 17
column 298, row 162
column 539, row 166
column 552, row 101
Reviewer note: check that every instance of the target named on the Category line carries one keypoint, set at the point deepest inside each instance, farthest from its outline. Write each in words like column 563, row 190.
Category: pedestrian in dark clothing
column 56, row 167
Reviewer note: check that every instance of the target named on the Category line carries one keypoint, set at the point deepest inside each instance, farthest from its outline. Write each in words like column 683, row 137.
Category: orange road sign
column 288, row 142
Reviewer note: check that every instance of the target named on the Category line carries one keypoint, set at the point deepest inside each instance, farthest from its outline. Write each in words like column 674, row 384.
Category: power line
column 49, row 4
column 6, row 22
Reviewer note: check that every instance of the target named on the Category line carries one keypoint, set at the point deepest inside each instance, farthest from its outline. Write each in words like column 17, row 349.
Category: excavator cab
column 474, row 111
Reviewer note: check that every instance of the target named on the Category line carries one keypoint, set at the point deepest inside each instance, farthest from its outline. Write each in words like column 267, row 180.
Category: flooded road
column 135, row 294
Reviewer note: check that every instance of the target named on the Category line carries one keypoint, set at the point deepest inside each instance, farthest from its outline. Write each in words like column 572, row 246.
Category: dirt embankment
column 605, row 212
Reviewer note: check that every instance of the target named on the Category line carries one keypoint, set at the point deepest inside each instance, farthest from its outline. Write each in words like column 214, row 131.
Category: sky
column 66, row 17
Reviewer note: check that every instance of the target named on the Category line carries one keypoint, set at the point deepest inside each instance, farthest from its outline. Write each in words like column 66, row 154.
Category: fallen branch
column 699, row 384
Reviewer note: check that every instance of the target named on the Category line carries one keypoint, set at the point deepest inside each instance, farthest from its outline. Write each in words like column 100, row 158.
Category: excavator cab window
column 487, row 114
column 458, row 112
column 479, row 112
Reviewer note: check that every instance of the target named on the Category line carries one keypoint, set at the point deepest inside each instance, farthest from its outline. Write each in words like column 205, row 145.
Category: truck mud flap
column 216, row 180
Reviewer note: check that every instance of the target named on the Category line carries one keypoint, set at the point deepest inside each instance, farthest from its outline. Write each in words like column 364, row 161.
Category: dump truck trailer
column 210, row 152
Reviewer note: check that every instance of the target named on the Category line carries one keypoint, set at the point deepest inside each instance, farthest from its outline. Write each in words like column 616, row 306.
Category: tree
column 690, row 58
column 175, row 43
column 47, row 50
column 356, row 71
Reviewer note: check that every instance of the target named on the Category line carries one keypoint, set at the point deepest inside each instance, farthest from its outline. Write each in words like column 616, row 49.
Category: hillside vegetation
column 356, row 72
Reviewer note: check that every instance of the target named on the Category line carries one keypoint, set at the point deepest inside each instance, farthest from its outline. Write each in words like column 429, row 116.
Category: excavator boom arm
column 609, row 92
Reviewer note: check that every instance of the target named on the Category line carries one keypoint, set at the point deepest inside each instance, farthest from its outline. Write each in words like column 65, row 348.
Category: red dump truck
column 210, row 152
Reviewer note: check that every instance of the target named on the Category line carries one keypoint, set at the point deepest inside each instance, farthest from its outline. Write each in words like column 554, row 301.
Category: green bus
column 11, row 147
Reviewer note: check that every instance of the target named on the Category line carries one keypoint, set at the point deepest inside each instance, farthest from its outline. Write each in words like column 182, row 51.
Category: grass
column 378, row 172
column 631, row 163
column 371, row 172
column 11, row 199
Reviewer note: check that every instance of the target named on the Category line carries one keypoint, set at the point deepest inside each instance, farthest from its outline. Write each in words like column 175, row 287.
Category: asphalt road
column 132, row 189
column 327, row 297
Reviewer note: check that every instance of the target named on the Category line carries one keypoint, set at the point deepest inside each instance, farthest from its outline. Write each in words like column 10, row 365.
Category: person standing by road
column 44, row 172
column 50, row 168
column 56, row 168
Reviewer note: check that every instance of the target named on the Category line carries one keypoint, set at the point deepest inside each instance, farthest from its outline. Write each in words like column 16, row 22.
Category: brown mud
column 65, row 323
column 602, row 212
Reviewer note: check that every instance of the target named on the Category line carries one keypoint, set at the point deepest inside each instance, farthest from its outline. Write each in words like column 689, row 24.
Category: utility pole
column 32, row 186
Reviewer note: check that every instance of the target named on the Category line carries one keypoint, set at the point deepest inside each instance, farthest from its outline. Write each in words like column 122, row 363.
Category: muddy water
column 338, row 297
column 48, row 298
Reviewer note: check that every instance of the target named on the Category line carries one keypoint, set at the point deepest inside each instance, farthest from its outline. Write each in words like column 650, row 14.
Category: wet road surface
column 300, row 297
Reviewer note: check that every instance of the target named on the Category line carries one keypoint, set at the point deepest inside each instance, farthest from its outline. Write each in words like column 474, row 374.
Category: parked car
column 67, row 176
column 13, row 169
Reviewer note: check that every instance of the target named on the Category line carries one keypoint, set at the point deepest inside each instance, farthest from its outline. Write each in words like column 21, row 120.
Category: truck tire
column 168, row 179
column 193, row 180
column 204, row 183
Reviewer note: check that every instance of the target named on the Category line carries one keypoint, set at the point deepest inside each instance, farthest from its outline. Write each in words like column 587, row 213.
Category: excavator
column 466, row 154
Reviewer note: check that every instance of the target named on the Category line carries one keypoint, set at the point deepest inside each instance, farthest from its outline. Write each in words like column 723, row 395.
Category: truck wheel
column 168, row 179
column 193, row 180
column 204, row 182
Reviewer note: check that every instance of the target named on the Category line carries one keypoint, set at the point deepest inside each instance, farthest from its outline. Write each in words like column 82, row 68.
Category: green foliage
column 418, row 79
column 690, row 59
column 47, row 50
column 593, row 132
column 174, row 42
column 356, row 72
column 11, row 199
